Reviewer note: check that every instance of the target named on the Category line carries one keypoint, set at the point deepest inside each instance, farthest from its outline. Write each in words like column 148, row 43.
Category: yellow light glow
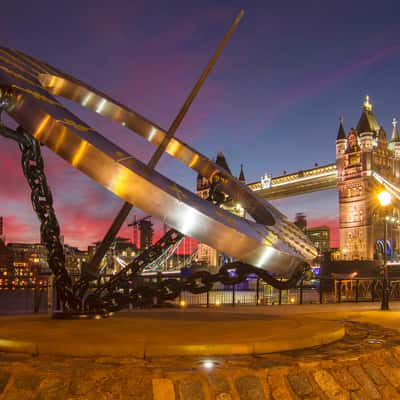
column 292, row 300
column 41, row 126
column 217, row 302
column 384, row 198
column 182, row 303
column 80, row 152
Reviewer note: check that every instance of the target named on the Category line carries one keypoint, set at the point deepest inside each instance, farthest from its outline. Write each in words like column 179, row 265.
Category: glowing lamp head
column 208, row 364
column 182, row 303
column 384, row 198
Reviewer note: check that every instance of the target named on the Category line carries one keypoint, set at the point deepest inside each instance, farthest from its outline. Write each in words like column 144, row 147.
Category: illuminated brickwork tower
column 360, row 155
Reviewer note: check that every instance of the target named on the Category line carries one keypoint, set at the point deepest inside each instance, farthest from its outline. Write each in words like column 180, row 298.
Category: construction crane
column 136, row 224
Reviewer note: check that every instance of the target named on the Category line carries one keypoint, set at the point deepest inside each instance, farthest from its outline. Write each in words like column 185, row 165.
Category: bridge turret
column 395, row 147
column 341, row 144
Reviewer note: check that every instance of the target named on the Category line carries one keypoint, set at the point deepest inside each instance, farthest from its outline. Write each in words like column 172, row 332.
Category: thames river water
column 22, row 301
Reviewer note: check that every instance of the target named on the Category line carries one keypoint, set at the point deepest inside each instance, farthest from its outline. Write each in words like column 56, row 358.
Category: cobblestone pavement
column 364, row 365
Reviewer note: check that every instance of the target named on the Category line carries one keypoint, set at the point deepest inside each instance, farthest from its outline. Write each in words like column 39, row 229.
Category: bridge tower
column 363, row 152
column 206, row 253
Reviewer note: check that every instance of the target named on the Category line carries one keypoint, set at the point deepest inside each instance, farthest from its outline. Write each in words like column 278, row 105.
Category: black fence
column 252, row 292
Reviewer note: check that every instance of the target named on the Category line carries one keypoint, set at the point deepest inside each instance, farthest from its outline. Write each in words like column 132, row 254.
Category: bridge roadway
column 311, row 180
column 301, row 182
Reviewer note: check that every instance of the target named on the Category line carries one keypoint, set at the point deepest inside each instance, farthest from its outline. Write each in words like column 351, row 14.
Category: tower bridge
column 300, row 182
column 366, row 162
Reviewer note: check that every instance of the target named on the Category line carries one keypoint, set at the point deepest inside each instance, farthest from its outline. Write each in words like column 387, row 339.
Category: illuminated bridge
column 366, row 162
column 301, row 182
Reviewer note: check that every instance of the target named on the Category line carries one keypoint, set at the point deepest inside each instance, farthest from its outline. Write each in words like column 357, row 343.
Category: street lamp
column 385, row 199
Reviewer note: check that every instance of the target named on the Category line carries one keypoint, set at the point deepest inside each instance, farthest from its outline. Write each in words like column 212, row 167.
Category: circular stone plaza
column 333, row 351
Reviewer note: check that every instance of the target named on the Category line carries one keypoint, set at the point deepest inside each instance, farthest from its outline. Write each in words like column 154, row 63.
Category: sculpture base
column 162, row 333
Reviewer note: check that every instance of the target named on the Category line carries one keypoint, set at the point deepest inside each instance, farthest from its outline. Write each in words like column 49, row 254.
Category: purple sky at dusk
column 272, row 102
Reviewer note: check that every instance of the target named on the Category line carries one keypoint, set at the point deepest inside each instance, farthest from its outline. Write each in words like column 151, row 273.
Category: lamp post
column 385, row 199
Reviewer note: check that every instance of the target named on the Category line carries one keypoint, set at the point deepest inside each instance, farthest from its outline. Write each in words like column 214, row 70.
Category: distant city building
column 146, row 233
column 320, row 238
column 29, row 263
column 301, row 221
column 6, row 270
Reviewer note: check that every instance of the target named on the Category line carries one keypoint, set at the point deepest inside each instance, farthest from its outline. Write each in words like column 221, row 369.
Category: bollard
column 357, row 294
column 301, row 291
column 37, row 298
column 339, row 298
column 233, row 295
column 257, row 291
column 321, row 297
column 280, row 297
column 50, row 294
column 208, row 299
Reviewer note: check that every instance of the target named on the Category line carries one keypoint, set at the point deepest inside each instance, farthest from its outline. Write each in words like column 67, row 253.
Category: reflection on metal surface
column 272, row 242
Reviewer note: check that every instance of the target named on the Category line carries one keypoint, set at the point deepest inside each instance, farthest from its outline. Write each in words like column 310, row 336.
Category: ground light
column 208, row 364
column 182, row 303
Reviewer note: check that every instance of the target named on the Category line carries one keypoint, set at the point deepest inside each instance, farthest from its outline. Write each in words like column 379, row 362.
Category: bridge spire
column 382, row 134
column 241, row 175
column 341, row 133
column 367, row 122
column 395, row 132
column 367, row 104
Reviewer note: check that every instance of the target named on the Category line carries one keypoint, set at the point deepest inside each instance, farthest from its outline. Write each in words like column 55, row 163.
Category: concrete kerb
column 141, row 338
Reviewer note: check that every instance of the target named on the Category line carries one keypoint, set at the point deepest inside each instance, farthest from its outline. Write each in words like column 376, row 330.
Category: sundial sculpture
column 270, row 245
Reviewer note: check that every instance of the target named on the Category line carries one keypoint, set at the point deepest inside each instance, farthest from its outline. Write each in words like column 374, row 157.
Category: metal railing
column 254, row 292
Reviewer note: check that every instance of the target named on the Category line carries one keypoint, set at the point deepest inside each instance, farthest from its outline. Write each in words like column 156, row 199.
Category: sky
column 271, row 103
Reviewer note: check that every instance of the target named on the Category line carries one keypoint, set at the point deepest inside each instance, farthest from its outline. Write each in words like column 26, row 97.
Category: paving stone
column 218, row 383
column 139, row 387
column 358, row 395
column 191, row 389
column 329, row 386
column 343, row 377
column 391, row 360
column 223, row 396
column 300, row 384
column 27, row 382
column 391, row 374
column 389, row 392
column 279, row 386
column 313, row 398
column 80, row 387
column 365, row 382
column 4, row 378
column 249, row 387
column 374, row 373
column 18, row 395
column 163, row 389
column 53, row 388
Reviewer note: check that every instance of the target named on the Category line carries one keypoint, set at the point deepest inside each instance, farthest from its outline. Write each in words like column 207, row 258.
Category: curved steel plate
column 272, row 242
